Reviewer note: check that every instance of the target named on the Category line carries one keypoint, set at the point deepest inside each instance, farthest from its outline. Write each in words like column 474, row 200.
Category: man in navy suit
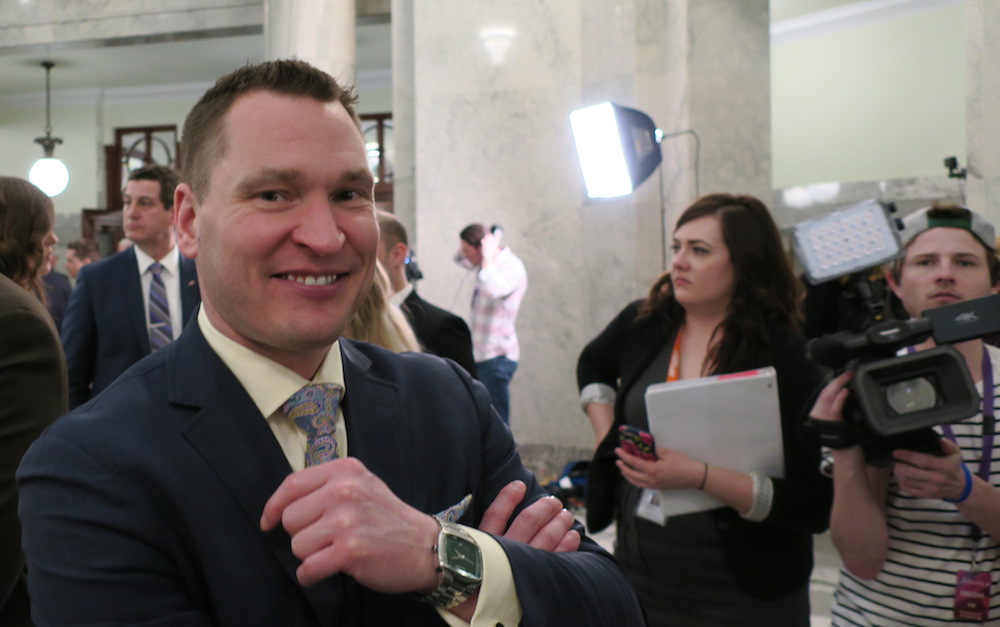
column 108, row 323
column 438, row 330
column 190, row 493
column 58, row 289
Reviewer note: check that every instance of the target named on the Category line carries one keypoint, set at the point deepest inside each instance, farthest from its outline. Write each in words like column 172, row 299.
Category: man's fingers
column 570, row 542
column 298, row 484
column 949, row 448
column 830, row 402
column 320, row 565
column 549, row 536
column 533, row 519
column 500, row 510
column 291, row 489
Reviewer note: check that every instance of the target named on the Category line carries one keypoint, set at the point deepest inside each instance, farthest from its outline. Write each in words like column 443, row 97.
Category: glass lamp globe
column 49, row 175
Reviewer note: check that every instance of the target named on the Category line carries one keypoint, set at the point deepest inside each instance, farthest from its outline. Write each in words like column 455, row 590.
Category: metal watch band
column 450, row 592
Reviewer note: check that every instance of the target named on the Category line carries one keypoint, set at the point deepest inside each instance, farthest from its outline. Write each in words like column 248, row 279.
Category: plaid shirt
column 495, row 301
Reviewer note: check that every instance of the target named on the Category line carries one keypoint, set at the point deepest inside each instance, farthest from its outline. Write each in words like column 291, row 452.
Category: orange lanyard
column 674, row 369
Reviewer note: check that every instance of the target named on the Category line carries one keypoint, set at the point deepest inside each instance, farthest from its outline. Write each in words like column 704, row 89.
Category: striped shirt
column 929, row 542
column 495, row 301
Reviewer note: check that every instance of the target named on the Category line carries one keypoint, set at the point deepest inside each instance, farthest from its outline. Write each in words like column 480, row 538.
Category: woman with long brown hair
column 26, row 236
column 729, row 303
column 32, row 367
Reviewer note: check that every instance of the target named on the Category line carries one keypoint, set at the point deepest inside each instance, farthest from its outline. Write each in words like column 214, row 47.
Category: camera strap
column 989, row 428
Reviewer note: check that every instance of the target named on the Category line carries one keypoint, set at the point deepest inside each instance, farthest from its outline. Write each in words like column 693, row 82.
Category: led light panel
column 845, row 241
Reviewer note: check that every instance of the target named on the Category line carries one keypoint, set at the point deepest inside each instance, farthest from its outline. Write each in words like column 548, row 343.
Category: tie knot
column 314, row 410
column 314, row 399
column 156, row 267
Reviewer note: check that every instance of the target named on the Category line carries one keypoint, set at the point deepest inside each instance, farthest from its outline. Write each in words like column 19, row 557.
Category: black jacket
column 440, row 331
column 768, row 559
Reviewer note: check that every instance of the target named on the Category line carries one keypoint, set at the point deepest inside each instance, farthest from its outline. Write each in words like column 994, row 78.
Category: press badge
column 972, row 596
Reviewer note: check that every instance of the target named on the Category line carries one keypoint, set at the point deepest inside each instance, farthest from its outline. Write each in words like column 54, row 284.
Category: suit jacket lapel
column 413, row 309
column 235, row 440
column 189, row 289
column 131, row 284
column 377, row 428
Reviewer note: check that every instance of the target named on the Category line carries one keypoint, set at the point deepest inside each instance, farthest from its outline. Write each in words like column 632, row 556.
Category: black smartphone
column 637, row 442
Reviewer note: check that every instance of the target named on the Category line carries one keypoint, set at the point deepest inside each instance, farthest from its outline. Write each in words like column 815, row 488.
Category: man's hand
column 490, row 247
column 928, row 476
column 544, row 524
column 830, row 403
column 343, row 518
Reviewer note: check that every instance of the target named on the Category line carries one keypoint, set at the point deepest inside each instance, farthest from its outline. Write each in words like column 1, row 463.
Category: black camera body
column 896, row 400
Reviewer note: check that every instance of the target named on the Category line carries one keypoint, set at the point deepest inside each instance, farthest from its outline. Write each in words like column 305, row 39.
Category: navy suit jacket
column 104, row 331
column 57, row 289
column 440, row 331
column 143, row 506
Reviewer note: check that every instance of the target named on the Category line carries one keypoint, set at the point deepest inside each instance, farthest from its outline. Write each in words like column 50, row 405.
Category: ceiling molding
column 125, row 96
column 850, row 16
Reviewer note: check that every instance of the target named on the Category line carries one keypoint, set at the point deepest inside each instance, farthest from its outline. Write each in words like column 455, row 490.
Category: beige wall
column 879, row 101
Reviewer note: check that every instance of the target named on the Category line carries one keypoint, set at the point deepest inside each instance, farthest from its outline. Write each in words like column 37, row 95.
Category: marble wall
column 492, row 89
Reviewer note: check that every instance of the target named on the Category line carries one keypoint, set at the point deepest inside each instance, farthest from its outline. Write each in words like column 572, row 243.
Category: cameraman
column 921, row 539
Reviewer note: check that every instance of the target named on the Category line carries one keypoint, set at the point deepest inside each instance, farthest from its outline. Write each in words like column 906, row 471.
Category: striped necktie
column 314, row 410
column 160, row 330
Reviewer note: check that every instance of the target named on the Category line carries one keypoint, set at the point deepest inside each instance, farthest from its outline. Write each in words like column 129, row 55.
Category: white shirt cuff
column 498, row 603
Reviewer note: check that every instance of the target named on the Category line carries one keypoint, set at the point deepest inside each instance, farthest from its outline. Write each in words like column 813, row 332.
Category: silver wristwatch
column 460, row 564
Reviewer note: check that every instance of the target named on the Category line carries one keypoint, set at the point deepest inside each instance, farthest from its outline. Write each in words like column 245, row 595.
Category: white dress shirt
column 171, row 275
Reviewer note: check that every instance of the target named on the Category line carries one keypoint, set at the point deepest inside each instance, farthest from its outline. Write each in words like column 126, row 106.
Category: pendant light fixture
column 49, row 174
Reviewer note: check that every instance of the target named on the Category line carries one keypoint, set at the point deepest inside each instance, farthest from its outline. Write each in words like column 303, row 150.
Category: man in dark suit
column 57, row 289
column 212, row 484
column 438, row 330
column 79, row 253
column 116, row 314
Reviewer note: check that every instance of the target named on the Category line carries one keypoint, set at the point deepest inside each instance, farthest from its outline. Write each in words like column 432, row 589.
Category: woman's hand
column 830, row 403
column 673, row 470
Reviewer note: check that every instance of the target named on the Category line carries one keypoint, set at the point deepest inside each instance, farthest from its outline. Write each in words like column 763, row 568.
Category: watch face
column 463, row 557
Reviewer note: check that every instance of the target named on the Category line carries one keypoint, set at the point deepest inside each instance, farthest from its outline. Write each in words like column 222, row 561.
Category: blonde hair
column 380, row 322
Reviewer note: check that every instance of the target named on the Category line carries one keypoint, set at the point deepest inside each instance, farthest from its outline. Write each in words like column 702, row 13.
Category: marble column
column 318, row 31
column 982, row 28
column 404, row 197
column 492, row 87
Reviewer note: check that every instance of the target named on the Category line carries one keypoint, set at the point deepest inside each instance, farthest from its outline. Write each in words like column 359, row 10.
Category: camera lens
column 911, row 395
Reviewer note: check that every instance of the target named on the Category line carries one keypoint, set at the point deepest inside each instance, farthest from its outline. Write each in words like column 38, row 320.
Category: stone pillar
column 716, row 56
column 492, row 89
column 404, row 201
column 318, row 31
column 982, row 22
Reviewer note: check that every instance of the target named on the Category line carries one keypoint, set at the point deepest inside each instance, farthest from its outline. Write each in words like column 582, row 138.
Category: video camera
column 895, row 400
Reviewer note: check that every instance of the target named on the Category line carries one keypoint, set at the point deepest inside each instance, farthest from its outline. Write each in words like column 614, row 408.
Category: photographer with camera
column 920, row 538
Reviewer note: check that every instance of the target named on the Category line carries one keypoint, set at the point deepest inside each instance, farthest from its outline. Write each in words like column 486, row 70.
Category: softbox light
column 618, row 147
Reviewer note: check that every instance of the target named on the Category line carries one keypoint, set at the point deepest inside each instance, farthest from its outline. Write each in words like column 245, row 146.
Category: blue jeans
column 496, row 374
